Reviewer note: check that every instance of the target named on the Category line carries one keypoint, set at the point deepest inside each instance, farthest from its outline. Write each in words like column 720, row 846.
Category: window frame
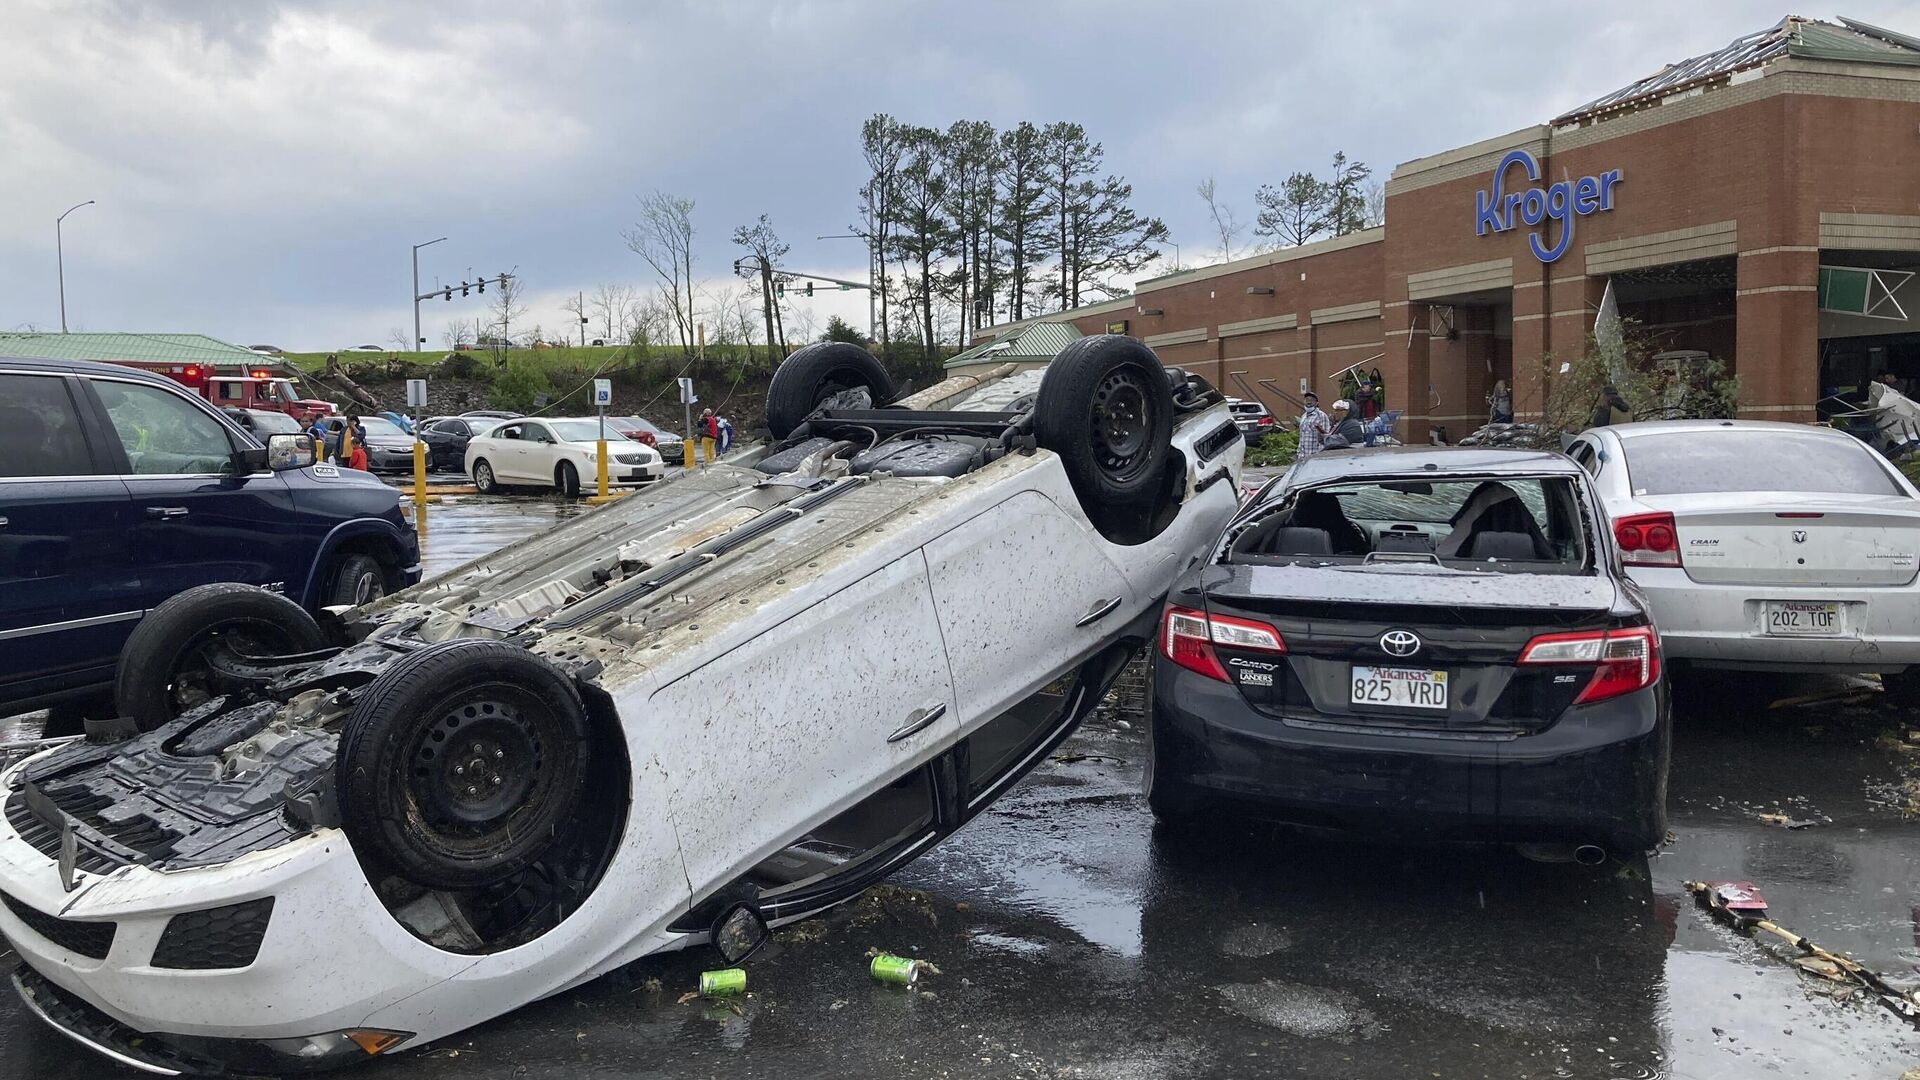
column 109, row 435
column 80, row 402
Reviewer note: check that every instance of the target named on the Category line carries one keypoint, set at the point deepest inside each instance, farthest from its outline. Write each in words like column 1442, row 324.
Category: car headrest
column 1299, row 540
column 1502, row 545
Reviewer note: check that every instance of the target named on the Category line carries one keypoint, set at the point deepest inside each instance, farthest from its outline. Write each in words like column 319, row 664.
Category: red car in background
column 640, row 429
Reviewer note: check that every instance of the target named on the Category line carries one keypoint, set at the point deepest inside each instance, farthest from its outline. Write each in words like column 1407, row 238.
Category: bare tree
column 508, row 306
column 1347, row 202
column 765, row 249
column 576, row 306
column 1375, row 196
column 664, row 238
column 1225, row 225
column 399, row 336
column 609, row 305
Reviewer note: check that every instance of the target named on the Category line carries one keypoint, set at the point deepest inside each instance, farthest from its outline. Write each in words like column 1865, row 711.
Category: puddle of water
column 1305, row 1011
column 1255, row 940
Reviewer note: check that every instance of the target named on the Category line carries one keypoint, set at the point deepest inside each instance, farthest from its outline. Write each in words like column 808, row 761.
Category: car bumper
column 379, row 460
column 1715, row 625
column 1598, row 776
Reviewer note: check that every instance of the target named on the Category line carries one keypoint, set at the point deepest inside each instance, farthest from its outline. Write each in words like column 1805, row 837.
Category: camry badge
column 1399, row 643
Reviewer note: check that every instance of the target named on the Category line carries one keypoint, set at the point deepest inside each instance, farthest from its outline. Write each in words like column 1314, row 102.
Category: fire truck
column 256, row 389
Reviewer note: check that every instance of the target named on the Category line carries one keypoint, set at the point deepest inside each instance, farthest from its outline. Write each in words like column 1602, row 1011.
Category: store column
column 1530, row 342
column 1777, row 334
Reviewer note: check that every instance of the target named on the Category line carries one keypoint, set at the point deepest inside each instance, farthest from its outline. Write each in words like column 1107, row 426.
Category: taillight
column 1187, row 638
column 1623, row 660
column 1266, row 421
column 644, row 436
column 1647, row 540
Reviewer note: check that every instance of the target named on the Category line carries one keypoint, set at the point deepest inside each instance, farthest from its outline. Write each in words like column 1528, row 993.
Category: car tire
column 566, row 478
column 817, row 372
column 360, row 579
column 483, row 479
column 1106, row 408
column 423, row 813
column 161, row 671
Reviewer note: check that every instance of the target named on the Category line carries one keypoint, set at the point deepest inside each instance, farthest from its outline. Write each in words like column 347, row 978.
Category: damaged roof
column 150, row 348
column 1041, row 341
column 1849, row 39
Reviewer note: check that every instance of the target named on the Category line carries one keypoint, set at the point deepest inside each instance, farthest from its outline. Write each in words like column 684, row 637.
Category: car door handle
column 1100, row 610
column 3, row 523
column 916, row 720
column 166, row 513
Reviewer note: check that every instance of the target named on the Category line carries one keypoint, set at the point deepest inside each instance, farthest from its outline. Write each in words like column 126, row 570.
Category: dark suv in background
column 119, row 489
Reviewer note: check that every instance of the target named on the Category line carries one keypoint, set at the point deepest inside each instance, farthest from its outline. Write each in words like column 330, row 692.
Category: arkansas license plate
column 1397, row 687
column 1801, row 618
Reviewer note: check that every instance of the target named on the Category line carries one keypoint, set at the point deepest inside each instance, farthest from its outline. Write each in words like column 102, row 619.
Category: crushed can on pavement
column 726, row 982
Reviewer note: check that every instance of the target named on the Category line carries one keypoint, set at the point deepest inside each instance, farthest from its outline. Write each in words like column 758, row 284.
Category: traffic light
column 809, row 288
column 448, row 295
column 463, row 290
column 779, row 289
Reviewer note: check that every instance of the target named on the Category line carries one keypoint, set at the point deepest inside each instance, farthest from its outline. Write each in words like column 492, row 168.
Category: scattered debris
column 1740, row 905
column 898, row 970
column 724, row 982
column 1786, row 822
column 1857, row 692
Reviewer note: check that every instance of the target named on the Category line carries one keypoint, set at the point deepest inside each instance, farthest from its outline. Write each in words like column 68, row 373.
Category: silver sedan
column 1783, row 547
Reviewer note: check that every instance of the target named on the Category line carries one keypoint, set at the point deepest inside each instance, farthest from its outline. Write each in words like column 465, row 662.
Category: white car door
column 538, row 453
column 808, row 718
column 1023, row 590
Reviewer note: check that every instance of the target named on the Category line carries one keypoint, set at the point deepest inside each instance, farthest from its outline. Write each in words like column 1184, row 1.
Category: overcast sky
column 261, row 169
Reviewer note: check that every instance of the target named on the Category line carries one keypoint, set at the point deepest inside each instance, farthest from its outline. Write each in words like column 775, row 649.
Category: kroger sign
column 1561, row 201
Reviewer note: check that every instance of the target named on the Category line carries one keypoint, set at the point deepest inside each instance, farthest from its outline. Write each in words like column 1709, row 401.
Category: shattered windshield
column 1531, row 524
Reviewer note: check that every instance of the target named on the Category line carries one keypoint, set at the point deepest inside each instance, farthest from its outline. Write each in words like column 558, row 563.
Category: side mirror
column 739, row 932
column 248, row 460
column 286, row 451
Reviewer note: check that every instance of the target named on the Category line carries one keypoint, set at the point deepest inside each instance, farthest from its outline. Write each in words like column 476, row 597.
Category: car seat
column 1320, row 511
column 1298, row 540
column 23, row 443
column 1493, row 508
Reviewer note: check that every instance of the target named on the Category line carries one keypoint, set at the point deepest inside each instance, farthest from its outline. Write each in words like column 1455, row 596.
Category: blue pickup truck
column 119, row 490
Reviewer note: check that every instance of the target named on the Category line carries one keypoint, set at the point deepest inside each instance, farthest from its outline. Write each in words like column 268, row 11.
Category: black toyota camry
column 1421, row 643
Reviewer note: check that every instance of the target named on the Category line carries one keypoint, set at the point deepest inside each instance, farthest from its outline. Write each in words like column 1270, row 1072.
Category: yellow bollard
column 319, row 450
column 346, row 445
column 687, row 455
column 420, row 487
column 601, row 454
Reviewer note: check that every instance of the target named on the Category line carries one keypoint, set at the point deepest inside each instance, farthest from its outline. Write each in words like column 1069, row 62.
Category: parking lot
column 1074, row 939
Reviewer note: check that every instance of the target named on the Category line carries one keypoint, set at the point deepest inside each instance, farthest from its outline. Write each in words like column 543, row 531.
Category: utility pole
column 417, row 339
column 580, row 303
column 60, row 261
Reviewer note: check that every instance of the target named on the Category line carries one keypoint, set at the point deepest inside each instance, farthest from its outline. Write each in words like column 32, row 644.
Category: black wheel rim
column 1122, row 423
column 479, row 763
column 192, row 683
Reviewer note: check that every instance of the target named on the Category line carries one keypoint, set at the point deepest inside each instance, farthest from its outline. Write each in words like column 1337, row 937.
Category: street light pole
column 416, row 292
column 870, row 308
column 60, row 261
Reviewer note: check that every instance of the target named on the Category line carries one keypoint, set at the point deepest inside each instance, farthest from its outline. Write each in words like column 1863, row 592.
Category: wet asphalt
column 1075, row 939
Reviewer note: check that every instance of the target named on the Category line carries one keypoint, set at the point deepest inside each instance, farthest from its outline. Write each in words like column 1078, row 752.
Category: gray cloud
column 262, row 168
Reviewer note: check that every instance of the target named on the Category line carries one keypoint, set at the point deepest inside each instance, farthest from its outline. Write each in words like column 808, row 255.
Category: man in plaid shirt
column 1314, row 428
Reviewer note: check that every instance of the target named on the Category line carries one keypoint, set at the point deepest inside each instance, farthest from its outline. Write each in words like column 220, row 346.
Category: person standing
column 1500, row 403
column 1314, row 428
column 726, row 433
column 709, row 430
column 1347, row 431
column 317, row 431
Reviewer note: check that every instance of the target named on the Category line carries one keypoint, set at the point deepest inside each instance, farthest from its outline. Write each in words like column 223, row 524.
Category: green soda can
column 726, row 982
column 897, row 970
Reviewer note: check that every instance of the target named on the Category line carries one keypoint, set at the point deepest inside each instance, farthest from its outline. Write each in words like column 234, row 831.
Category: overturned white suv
column 728, row 701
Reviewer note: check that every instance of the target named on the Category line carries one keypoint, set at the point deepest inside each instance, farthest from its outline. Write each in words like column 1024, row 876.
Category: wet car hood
column 1411, row 583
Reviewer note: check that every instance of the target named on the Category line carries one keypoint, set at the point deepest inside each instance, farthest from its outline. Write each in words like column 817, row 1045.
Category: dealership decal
column 1499, row 210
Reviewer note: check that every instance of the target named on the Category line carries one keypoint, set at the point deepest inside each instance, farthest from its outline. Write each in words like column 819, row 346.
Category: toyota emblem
column 1799, row 536
column 1399, row 643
